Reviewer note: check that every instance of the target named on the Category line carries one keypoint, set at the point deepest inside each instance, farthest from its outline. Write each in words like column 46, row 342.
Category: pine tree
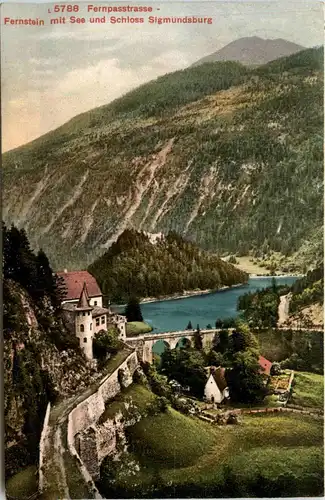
column 189, row 326
column 133, row 310
column 198, row 343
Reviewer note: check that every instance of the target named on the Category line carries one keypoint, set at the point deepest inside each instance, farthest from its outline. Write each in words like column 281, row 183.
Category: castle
column 84, row 312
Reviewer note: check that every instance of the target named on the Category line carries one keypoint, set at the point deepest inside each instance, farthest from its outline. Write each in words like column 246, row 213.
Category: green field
column 137, row 328
column 308, row 390
column 24, row 483
column 139, row 395
column 187, row 451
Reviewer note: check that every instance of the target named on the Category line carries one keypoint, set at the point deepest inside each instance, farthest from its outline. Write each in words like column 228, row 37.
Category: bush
column 105, row 343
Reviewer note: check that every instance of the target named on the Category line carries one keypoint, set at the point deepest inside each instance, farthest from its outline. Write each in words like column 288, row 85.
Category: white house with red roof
column 84, row 312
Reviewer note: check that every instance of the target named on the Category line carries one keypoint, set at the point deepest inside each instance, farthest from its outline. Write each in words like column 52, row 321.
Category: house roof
column 265, row 364
column 219, row 376
column 98, row 311
column 74, row 282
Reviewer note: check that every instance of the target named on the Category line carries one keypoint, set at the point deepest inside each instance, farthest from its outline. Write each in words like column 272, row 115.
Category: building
column 265, row 366
column 216, row 389
column 84, row 312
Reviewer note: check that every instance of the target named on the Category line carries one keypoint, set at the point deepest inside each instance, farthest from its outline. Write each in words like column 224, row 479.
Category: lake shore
column 189, row 294
column 263, row 276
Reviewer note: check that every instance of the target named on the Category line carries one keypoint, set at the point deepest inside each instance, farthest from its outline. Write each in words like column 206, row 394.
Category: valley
column 196, row 201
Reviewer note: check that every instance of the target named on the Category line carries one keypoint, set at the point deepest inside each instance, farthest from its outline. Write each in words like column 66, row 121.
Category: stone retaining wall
column 69, row 451
column 42, row 445
column 83, row 418
column 245, row 411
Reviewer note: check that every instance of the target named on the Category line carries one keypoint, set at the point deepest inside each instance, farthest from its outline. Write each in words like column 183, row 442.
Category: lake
column 172, row 315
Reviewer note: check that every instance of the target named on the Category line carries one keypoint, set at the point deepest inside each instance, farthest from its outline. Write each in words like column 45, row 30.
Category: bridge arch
column 183, row 343
column 159, row 347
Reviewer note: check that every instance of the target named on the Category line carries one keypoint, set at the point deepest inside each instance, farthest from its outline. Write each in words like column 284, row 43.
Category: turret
column 84, row 323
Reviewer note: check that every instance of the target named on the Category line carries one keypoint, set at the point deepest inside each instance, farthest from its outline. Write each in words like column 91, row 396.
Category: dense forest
column 308, row 290
column 134, row 266
column 230, row 157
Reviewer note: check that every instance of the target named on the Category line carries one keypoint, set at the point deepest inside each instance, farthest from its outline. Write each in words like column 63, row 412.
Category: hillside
column 227, row 156
column 252, row 51
column 307, row 298
column 134, row 266
column 42, row 363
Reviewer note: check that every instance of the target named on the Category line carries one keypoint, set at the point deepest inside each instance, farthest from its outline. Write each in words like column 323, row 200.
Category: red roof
column 74, row 282
column 265, row 364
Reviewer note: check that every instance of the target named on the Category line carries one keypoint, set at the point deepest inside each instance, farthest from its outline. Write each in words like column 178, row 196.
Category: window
column 97, row 321
column 82, row 328
column 91, row 326
column 84, row 314
column 88, row 313
column 103, row 320
column 95, row 303
column 85, row 340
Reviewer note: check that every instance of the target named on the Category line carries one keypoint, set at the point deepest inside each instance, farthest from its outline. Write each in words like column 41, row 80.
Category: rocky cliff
column 35, row 371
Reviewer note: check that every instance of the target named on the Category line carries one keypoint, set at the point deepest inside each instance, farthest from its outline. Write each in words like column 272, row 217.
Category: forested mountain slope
column 134, row 265
column 227, row 156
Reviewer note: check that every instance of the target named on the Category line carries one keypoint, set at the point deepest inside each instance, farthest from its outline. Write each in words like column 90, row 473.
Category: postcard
column 162, row 231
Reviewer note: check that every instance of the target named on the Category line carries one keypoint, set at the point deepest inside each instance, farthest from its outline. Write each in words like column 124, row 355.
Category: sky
column 52, row 73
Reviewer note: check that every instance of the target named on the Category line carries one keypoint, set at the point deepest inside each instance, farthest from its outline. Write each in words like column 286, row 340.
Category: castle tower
column 84, row 323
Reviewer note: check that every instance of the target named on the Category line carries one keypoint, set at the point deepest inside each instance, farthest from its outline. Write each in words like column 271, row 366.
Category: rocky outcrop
column 76, row 439
column 35, row 372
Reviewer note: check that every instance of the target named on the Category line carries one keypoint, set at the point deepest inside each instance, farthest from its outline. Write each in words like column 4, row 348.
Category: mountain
column 135, row 265
column 252, row 51
column 227, row 156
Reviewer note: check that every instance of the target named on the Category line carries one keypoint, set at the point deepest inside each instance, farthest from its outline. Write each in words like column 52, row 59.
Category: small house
column 216, row 389
column 265, row 366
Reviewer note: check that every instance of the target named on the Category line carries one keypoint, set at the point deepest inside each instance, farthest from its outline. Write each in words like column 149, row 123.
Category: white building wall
column 96, row 301
column 84, row 319
column 92, row 300
column 212, row 391
column 121, row 326
column 100, row 323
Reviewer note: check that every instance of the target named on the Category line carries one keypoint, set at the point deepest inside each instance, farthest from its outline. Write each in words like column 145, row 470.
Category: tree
column 186, row 366
column 245, row 382
column 133, row 310
column 198, row 342
column 105, row 343
column 221, row 341
column 275, row 369
column 242, row 339
column 189, row 326
column 215, row 358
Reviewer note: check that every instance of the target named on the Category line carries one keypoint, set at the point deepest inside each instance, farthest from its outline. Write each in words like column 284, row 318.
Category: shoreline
column 260, row 276
column 198, row 293
column 189, row 294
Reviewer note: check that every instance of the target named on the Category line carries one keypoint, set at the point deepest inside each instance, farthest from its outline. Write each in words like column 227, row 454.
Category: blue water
column 172, row 315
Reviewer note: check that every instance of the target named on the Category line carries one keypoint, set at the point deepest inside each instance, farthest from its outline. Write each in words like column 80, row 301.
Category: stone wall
column 87, row 441
column 42, row 445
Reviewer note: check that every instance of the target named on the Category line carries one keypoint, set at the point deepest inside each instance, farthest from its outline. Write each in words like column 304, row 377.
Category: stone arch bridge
column 144, row 343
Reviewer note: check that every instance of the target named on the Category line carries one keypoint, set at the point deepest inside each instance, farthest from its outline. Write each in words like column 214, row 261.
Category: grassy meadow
column 180, row 452
column 137, row 328
column 308, row 390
